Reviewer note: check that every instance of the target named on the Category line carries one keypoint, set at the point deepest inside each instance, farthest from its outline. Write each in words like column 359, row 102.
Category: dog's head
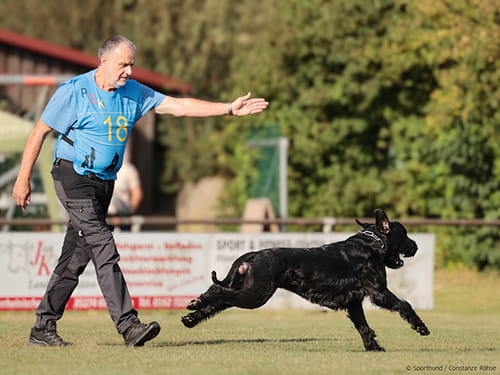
column 395, row 237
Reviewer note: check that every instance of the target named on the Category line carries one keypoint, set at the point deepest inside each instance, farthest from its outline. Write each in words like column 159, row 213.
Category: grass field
column 465, row 331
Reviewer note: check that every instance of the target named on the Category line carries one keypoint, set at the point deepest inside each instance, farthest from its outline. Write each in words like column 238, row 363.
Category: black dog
column 337, row 275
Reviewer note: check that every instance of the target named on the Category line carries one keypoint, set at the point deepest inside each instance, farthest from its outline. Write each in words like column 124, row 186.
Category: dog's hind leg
column 213, row 294
column 357, row 316
column 250, row 298
column 230, row 298
column 238, row 289
column 192, row 319
column 388, row 300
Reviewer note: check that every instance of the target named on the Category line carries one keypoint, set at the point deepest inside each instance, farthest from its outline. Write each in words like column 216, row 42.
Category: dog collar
column 377, row 239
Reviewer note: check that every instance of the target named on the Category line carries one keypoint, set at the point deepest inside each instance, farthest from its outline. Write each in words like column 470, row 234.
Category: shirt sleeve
column 60, row 112
column 150, row 98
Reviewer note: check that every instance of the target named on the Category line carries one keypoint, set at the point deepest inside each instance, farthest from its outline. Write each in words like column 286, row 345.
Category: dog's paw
column 375, row 348
column 423, row 330
column 194, row 304
column 189, row 321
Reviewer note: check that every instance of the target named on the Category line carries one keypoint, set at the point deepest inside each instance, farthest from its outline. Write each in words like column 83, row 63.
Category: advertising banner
column 414, row 282
column 162, row 271
column 167, row 270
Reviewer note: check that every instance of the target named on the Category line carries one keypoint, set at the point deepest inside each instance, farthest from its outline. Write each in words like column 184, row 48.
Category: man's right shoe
column 138, row 333
column 45, row 337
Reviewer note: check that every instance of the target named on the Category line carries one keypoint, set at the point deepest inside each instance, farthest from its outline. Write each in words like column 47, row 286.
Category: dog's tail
column 240, row 270
column 214, row 279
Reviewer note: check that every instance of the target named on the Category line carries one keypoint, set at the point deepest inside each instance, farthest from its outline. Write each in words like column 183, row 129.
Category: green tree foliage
column 389, row 103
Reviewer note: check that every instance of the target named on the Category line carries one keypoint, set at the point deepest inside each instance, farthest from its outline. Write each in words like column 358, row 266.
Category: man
column 94, row 114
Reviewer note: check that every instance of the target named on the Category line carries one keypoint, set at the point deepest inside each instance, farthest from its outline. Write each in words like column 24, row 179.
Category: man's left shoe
column 46, row 337
column 138, row 333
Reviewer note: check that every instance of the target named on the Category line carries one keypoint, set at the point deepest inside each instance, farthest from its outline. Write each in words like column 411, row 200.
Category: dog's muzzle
column 393, row 260
column 410, row 249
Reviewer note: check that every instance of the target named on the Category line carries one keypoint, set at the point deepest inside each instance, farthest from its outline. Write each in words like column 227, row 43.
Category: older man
column 94, row 114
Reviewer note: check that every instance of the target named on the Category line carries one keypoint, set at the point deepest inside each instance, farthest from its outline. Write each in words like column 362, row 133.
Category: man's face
column 117, row 65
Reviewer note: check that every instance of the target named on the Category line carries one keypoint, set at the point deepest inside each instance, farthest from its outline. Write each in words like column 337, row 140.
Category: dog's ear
column 382, row 221
column 363, row 225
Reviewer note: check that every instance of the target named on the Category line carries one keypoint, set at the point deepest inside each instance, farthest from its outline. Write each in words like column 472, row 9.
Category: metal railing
column 163, row 222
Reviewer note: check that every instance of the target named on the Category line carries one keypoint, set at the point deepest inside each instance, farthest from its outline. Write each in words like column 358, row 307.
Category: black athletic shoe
column 138, row 333
column 45, row 337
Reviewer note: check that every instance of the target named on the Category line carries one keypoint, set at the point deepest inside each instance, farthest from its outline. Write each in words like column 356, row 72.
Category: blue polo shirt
column 98, row 122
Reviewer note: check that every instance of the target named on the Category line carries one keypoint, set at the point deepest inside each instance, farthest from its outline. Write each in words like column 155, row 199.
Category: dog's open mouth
column 394, row 261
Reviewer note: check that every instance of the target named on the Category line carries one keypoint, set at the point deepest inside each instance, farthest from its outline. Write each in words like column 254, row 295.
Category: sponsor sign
column 166, row 270
column 162, row 271
column 414, row 282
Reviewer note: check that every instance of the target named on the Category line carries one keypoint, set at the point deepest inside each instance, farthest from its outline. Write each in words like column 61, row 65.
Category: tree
column 387, row 103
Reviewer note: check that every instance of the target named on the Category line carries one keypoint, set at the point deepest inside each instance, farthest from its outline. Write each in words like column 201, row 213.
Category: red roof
column 77, row 57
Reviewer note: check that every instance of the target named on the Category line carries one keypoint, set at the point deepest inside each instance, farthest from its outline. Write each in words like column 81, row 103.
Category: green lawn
column 465, row 331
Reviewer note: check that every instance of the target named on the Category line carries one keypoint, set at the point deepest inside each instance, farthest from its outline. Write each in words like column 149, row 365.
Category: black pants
column 88, row 237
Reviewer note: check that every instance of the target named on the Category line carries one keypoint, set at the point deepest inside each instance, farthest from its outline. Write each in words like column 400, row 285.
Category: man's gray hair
column 109, row 44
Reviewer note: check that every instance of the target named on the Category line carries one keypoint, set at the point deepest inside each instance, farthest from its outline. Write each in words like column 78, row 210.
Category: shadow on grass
column 237, row 341
column 167, row 344
column 428, row 350
column 173, row 344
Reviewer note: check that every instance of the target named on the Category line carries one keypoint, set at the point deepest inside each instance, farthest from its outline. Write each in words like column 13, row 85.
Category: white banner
column 162, row 271
column 414, row 282
column 166, row 270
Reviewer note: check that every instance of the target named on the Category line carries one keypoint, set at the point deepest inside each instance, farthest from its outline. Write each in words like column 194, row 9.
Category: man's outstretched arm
column 189, row 107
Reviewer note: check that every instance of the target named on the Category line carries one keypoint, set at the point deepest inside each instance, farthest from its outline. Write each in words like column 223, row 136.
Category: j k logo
column 40, row 261
column 22, row 259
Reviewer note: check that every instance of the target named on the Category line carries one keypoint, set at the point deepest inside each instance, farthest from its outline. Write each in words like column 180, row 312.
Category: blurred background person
column 127, row 195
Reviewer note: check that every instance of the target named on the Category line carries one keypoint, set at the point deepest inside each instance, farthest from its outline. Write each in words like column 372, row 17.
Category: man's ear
column 382, row 221
column 103, row 59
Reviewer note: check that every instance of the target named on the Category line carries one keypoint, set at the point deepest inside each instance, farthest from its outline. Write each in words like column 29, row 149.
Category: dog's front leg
column 388, row 300
column 357, row 316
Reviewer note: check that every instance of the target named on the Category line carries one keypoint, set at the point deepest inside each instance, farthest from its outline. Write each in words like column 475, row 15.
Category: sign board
column 414, row 282
column 166, row 270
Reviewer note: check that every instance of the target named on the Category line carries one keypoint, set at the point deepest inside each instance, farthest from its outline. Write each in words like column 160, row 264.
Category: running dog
column 338, row 275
